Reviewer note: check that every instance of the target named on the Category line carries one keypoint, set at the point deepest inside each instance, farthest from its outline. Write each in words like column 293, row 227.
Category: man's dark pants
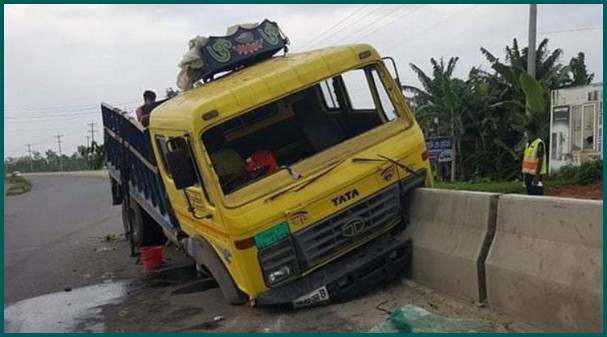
column 532, row 189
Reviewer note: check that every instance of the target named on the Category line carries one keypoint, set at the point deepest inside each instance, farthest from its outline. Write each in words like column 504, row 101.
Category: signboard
column 244, row 47
column 439, row 149
column 559, row 142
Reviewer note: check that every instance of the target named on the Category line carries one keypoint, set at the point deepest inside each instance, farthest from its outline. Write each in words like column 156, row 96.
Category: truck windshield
column 275, row 136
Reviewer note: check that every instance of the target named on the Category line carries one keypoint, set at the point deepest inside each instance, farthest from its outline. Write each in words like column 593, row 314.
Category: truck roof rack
column 246, row 46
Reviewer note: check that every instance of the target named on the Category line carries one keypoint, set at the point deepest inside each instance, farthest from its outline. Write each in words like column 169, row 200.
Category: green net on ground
column 412, row 319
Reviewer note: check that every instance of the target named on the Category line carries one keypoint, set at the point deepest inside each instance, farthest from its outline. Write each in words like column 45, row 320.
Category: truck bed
column 132, row 167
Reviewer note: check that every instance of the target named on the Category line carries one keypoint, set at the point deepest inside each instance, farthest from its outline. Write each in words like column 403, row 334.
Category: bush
column 585, row 174
column 19, row 185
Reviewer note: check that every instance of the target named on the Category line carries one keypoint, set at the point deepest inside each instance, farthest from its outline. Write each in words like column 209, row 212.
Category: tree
column 438, row 100
column 579, row 72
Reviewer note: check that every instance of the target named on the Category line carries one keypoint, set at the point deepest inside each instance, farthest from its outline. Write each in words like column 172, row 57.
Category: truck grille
column 370, row 216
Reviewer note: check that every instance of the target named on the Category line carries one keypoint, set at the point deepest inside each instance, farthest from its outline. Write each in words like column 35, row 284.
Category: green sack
column 412, row 319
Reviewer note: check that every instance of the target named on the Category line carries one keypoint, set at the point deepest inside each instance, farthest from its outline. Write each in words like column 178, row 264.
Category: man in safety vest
column 534, row 161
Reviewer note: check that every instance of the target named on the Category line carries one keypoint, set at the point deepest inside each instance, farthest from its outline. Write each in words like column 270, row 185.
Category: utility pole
column 88, row 146
column 92, row 125
column 29, row 149
column 60, row 160
column 532, row 45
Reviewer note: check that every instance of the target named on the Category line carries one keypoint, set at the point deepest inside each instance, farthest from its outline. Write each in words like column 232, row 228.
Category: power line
column 459, row 14
column 62, row 107
column 334, row 26
column 25, row 121
column 390, row 22
column 328, row 38
column 572, row 30
column 381, row 17
column 51, row 115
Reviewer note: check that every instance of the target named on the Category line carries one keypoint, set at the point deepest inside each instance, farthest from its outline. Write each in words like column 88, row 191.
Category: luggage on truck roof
column 242, row 45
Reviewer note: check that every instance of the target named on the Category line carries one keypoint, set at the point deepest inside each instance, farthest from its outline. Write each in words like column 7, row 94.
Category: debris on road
column 104, row 249
column 112, row 237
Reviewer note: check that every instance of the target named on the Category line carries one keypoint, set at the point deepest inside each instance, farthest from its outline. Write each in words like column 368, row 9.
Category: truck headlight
column 278, row 263
column 279, row 274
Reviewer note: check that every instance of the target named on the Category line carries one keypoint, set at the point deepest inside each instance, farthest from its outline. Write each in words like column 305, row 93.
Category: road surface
column 59, row 275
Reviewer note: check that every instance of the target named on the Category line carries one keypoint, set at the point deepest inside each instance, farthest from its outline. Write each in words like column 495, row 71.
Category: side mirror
column 180, row 164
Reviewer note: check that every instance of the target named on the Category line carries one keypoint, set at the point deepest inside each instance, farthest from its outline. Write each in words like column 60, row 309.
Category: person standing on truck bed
column 534, row 161
column 143, row 112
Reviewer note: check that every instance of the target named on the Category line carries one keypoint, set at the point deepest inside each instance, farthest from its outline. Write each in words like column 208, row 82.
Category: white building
column 576, row 126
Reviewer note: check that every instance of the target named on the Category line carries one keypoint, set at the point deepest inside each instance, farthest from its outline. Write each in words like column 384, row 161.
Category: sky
column 61, row 61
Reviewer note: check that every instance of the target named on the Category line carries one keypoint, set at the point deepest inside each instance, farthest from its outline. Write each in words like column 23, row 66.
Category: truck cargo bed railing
column 132, row 164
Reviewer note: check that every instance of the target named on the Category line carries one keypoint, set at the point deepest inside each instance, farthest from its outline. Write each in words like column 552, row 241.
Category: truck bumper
column 379, row 261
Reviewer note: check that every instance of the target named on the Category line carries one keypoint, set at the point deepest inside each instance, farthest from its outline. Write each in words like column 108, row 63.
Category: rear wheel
column 132, row 220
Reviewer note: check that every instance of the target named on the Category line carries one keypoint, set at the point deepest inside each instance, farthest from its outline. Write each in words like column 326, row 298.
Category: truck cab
column 286, row 179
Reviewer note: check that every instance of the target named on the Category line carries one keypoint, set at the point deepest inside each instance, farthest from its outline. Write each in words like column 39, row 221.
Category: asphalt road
column 51, row 235
column 52, row 243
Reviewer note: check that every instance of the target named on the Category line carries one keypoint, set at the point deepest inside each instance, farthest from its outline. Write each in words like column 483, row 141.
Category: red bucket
column 151, row 257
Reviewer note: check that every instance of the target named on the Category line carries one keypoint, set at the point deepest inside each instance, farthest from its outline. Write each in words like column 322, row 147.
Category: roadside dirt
column 592, row 191
column 177, row 300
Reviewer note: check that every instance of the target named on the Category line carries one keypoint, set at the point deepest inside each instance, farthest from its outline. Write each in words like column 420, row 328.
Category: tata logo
column 345, row 197
column 388, row 173
column 299, row 218
column 353, row 227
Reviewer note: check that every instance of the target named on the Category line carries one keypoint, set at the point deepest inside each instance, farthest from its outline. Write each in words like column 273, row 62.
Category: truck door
column 191, row 204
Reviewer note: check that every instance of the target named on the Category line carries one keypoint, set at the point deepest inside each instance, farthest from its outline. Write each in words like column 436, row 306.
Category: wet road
column 52, row 241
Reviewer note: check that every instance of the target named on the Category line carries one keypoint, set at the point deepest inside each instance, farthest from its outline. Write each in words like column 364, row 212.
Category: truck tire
column 206, row 257
column 132, row 219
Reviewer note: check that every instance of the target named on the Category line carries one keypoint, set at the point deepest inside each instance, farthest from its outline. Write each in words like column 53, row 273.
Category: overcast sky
column 60, row 61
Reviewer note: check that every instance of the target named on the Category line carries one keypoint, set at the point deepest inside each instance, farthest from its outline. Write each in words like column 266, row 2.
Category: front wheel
column 206, row 257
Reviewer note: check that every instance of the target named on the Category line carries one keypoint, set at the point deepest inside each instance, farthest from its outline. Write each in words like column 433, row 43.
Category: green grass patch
column 19, row 185
column 493, row 187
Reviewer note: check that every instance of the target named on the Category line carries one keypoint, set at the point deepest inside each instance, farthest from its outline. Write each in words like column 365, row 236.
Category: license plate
column 316, row 297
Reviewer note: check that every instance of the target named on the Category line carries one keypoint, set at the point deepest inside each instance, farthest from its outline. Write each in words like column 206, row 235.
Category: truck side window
column 162, row 145
column 384, row 100
column 357, row 87
column 328, row 95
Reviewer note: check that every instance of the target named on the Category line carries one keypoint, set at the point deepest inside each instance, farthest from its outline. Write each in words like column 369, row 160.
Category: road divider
column 451, row 233
column 546, row 262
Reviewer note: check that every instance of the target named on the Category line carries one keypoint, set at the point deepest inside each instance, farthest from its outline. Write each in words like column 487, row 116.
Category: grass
column 19, row 185
column 494, row 187
column 501, row 186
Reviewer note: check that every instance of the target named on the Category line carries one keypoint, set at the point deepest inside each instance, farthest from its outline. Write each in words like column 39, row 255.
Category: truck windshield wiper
column 386, row 159
column 303, row 185
column 294, row 174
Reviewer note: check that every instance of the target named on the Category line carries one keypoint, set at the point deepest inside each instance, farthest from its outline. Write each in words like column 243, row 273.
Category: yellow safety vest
column 530, row 161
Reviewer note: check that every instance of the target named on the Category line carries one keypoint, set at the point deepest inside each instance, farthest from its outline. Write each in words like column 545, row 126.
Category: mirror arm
column 389, row 58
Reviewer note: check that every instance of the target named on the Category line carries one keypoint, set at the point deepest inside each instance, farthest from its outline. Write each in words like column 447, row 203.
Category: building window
column 588, row 132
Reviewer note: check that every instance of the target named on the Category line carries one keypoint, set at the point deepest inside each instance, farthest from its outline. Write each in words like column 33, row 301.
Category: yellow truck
column 284, row 177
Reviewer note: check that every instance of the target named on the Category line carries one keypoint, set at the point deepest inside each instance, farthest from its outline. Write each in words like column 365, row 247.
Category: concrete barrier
column 546, row 262
column 451, row 232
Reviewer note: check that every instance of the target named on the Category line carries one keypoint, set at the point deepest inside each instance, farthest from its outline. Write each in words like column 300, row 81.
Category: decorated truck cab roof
column 241, row 46
column 245, row 46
